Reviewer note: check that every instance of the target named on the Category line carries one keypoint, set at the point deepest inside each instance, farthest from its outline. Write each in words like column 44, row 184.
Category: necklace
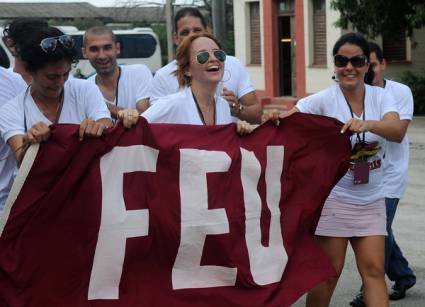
column 58, row 107
column 116, row 88
column 201, row 115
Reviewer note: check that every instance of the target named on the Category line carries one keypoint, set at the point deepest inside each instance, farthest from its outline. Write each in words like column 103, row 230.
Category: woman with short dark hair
column 51, row 98
column 15, row 34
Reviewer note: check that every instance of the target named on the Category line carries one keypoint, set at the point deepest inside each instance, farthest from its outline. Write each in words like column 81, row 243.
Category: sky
column 101, row 2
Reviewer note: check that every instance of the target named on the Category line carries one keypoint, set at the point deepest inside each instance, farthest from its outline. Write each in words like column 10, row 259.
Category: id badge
column 361, row 172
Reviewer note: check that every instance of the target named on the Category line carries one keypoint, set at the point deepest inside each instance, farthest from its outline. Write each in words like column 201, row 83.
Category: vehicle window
column 4, row 59
column 78, row 40
column 136, row 46
column 132, row 45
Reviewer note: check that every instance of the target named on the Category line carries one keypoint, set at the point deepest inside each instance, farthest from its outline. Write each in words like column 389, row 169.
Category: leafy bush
column 416, row 82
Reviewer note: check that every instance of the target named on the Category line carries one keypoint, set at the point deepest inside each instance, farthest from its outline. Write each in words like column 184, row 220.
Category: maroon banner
column 171, row 215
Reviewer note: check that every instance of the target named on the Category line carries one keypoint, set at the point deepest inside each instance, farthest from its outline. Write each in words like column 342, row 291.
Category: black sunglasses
column 203, row 56
column 357, row 61
column 48, row 45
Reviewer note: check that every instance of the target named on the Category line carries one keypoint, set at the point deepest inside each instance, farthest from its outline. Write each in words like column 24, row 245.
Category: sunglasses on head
column 203, row 56
column 49, row 44
column 357, row 61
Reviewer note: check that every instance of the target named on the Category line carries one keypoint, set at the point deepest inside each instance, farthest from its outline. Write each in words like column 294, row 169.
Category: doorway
column 286, row 56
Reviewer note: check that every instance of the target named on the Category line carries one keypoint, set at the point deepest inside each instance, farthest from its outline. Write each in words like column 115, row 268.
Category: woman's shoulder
column 135, row 69
column 72, row 83
column 79, row 86
column 326, row 94
column 374, row 93
column 174, row 98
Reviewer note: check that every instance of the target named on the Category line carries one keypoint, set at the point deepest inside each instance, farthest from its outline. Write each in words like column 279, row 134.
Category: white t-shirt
column 82, row 99
column 180, row 108
column 11, row 84
column 331, row 102
column 396, row 161
column 134, row 85
column 235, row 78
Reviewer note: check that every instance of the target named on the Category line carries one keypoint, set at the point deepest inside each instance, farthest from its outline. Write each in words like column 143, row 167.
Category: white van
column 138, row 46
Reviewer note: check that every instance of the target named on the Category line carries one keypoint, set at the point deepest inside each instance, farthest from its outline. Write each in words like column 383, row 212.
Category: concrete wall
column 242, row 42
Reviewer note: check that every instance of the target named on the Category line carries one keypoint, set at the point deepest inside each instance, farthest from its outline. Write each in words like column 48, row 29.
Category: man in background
column 123, row 87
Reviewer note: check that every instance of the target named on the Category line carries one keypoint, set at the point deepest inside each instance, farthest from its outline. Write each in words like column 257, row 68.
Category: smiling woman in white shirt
column 200, row 67
column 51, row 98
column 355, row 209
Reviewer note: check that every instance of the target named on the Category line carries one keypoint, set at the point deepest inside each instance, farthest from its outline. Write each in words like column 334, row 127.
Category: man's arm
column 16, row 145
column 246, row 108
column 39, row 132
column 113, row 109
column 142, row 105
column 251, row 111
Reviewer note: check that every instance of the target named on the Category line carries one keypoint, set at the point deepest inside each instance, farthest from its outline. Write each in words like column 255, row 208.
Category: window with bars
column 254, row 32
column 394, row 47
column 319, row 32
column 286, row 6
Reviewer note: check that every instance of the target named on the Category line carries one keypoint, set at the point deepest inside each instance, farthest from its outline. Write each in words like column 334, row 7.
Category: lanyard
column 363, row 117
column 200, row 111
column 58, row 110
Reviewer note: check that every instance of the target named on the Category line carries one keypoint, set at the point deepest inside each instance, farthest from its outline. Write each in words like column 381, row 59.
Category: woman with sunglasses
column 200, row 66
column 51, row 98
column 235, row 86
column 355, row 209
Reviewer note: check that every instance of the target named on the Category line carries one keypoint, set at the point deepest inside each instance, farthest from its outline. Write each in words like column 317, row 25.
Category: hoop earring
column 226, row 77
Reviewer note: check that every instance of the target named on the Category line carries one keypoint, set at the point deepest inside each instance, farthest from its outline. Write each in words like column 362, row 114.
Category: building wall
column 319, row 77
column 316, row 77
column 242, row 42
column 417, row 58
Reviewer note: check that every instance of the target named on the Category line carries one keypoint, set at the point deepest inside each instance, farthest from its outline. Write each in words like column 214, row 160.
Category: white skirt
column 348, row 220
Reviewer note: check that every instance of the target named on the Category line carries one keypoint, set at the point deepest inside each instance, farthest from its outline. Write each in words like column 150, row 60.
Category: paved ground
column 409, row 229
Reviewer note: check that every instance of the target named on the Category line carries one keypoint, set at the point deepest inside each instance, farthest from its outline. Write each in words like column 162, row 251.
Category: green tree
column 376, row 17
column 416, row 82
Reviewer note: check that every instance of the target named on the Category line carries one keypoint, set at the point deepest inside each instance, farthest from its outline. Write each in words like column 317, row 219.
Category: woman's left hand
column 244, row 128
column 357, row 126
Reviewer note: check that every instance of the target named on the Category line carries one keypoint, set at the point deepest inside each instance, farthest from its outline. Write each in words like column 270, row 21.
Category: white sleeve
column 161, row 86
column 310, row 105
column 94, row 104
column 406, row 104
column 12, row 119
column 388, row 103
column 10, row 86
column 160, row 112
column 244, row 82
column 143, row 82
